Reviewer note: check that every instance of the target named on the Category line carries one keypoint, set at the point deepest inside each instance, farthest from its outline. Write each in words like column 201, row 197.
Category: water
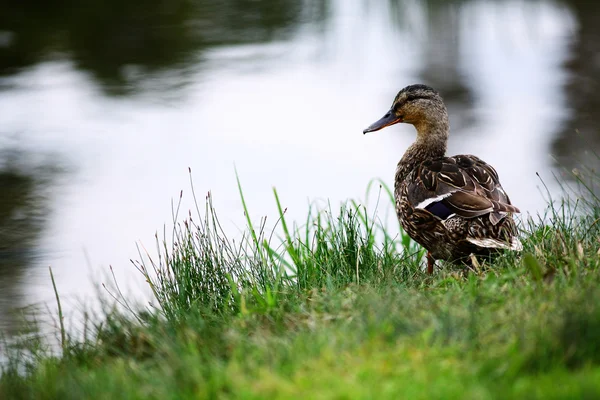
column 105, row 106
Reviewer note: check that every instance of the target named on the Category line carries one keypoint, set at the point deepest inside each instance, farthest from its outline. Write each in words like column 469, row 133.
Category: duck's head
column 418, row 105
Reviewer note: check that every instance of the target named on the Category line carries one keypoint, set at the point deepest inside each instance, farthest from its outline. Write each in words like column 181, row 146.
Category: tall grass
column 202, row 269
column 336, row 307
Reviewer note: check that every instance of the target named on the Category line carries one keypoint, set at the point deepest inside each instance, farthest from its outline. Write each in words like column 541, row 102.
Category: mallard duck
column 454, row 206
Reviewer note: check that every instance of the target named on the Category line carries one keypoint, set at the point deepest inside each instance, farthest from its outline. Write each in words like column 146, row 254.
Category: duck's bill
column 390, row 118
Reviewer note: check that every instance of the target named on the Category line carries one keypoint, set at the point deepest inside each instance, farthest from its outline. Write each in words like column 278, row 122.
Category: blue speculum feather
column 439, row 209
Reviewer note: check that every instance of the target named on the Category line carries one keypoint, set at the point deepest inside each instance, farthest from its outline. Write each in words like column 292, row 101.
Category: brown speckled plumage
column 452, row 206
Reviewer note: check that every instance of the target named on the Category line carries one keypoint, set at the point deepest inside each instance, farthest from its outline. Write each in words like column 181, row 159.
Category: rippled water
column 103, row 108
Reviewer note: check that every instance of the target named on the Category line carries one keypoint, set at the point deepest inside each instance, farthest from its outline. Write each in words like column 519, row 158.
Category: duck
column 455, row 207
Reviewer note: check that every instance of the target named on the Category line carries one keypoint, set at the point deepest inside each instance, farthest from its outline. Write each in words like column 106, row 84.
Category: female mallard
column 452, row 206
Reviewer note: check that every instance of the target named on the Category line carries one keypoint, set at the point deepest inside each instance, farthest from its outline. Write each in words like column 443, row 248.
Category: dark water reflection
column 123, row 44
column 24, row 212
column 122, row 96
column 577, row 144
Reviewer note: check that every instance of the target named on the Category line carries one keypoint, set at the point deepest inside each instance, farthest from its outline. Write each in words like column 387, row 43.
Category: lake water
column 105, row 106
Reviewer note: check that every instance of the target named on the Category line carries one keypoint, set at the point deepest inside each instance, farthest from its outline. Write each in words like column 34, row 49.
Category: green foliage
column 340, row 308
column 202, row 269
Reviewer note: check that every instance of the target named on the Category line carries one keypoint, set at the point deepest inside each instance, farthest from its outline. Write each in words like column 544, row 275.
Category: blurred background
column 104, row 104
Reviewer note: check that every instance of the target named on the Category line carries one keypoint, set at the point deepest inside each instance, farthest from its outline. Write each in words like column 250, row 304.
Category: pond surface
column 105, row 106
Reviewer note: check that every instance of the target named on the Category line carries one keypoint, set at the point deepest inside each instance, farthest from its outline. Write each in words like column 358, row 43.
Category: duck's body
column 452, row 206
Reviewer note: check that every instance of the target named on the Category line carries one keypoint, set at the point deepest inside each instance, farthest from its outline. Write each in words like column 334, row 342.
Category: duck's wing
column 462, row 185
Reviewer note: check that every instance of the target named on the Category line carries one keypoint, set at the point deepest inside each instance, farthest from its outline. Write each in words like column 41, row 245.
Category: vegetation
column 337, row 308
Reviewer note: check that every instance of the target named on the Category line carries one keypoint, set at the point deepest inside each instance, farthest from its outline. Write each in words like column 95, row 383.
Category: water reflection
column 130, row 94
column 579, row 136
column 442, row 60
column 127, row 44
column 23, row 215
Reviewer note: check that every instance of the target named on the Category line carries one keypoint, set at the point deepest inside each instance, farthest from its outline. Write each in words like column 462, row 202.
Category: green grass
column 338, row 308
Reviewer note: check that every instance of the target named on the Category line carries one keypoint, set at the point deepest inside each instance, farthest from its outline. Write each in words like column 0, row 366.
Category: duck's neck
column 431, row 143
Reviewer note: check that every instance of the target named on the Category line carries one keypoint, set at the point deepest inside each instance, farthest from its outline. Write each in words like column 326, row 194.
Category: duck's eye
column 413, row 97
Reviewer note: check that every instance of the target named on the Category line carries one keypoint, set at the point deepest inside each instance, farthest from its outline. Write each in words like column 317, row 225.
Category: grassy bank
column 336, row 308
